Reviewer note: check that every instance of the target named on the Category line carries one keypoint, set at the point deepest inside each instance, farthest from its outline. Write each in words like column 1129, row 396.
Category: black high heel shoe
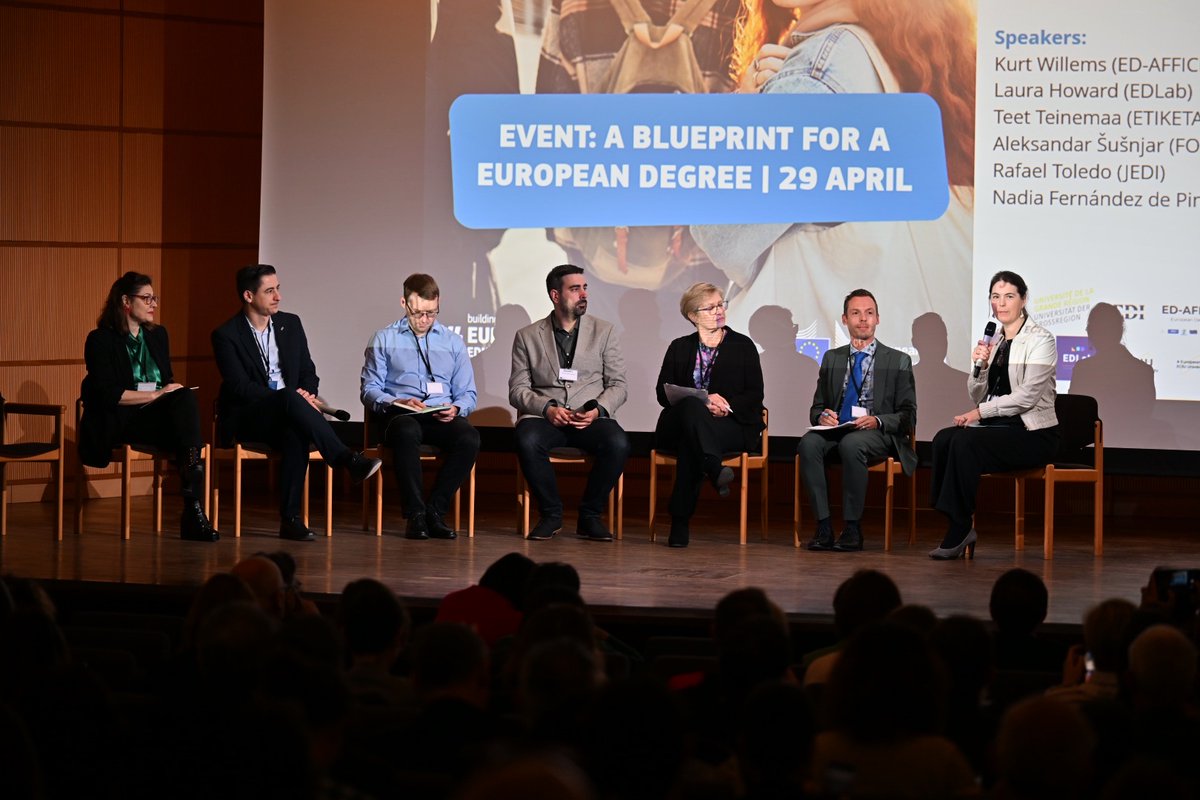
column 964, row 548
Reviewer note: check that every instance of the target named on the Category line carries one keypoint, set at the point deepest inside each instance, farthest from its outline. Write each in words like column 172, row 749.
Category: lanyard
column 424, row 355
column 264, row 352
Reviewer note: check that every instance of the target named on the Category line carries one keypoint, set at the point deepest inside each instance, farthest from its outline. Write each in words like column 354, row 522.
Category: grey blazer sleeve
column 614, row 393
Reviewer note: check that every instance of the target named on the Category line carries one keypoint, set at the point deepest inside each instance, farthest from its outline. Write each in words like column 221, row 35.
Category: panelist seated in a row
column 269, row 393
column 418, row 387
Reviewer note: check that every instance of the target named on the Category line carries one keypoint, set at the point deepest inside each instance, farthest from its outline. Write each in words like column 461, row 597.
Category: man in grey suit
column 865, row 405
column 567, row 381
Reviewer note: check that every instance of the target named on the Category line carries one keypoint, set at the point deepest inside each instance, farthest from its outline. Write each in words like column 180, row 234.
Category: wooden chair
column 429, row 454
column 125, row 456
column 51, row 452
column 573, row 455
column 242, row 452
column 1080, row 430
column 743, row 462
column 891, row 469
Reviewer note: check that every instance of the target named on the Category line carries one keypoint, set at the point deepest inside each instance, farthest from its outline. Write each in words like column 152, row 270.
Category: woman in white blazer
column 1012, row 426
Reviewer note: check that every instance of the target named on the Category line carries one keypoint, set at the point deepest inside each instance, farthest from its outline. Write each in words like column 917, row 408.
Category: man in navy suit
column 269, row 393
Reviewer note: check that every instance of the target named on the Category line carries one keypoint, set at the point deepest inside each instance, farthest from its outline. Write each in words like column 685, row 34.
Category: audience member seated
column 1043, row 750
column 375, row 627
column 1106, row 640
column 1018, row 607
column 964, row 647
column 493, row 606
column 885, row 703
column 866, row 596
column 775, row 742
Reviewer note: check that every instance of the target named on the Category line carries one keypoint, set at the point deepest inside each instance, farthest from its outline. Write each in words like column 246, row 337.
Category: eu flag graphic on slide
column 812, row 347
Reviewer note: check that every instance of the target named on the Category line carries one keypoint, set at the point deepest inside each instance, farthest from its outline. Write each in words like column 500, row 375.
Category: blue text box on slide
column 529, row 161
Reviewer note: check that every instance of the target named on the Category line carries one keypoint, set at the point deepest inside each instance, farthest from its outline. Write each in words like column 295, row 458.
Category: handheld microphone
column 988, row 332
column 336, row 413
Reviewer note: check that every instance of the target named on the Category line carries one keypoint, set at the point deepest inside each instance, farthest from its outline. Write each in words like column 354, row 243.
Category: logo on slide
column 1071, row 350
column 1132, row 310
column 813, row 348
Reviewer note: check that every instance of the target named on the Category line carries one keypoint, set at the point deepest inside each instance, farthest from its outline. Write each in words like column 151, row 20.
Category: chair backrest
column 1077, row 416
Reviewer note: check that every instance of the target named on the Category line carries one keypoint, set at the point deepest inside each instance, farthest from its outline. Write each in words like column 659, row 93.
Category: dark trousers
column 170, row 423
column 604, row 440
column 857, row 450
column 962, row 455
column 698, row 440
column 459, row 444
column 287, row 422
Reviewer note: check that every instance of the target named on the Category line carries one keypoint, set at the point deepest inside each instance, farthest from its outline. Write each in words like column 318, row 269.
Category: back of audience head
column 1106, row 634
column 220, row 589
column 546, row 777
column 755, row 651
column 232, row 643
column 372, row 619
column 641, row 725
column 917, row 618
column 449, row 659
column 1162, row 668
column 1043, row 751
column 1019, row 603
column 866, row 596
column 550, row 574
column 508, row 576
column 28, row 595
column 265, row 580
column 775, row 740
column 965, row 649
column 887, row 686
column 740, row 605
column 557, row 683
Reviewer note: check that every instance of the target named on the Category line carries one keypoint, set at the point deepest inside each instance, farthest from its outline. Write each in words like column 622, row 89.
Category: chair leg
column 621, row 506
column 80, row 489
column 215, row 515
column 653, row 491
column 745, row 499
column 378, row 483
column 328, row 500
column 912, row 509
column 1019, row 503
column 888, row 498
column 158, row 493
column 1048, row 523
column 3, row 502
column 125, row 492
column 304, row 499
column 238, row 465
column 796, row 502
column 765, row 478
column 471, row 504
column 58, row 482
column 206, row 454
column 458, row 508
column 524, row 501
column 1098, row 517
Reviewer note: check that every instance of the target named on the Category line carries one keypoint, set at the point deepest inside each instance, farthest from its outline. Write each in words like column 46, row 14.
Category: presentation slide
column 785, row 156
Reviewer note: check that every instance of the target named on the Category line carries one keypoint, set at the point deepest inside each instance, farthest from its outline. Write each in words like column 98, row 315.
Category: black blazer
column 109, row 374
column 243, row 377
column 895, row 395
column 737, row 376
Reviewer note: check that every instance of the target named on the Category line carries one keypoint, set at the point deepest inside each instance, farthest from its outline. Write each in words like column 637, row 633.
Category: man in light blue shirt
column 418, row 388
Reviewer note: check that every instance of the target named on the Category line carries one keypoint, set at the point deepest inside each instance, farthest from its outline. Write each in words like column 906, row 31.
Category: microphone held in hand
column 988, row 332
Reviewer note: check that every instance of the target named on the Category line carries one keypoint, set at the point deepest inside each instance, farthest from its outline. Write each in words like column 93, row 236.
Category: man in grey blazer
column 567, row 382
column 865, row 406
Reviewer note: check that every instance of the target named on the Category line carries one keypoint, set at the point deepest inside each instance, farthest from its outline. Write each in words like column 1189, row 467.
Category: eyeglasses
column 424, row 314
column 713, row 308
column 148, row 299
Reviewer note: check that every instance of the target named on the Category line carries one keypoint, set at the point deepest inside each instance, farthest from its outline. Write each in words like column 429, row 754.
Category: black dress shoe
column 722, row 479
column 680, row 535
column 417, row 527
column 194, row 525
column 360, row 467
column 294, row 528
column 545, row 529
column 851, row 539
column 438, row 529
column 592, row 529
column 823, row 538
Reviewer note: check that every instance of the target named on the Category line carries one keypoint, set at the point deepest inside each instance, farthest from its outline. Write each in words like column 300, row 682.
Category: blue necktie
column 853, row 386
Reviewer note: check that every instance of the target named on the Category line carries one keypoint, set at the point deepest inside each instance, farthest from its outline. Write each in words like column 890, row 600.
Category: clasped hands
column 561, row 416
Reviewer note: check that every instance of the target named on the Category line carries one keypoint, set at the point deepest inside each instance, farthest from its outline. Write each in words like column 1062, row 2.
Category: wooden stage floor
column 629, row 576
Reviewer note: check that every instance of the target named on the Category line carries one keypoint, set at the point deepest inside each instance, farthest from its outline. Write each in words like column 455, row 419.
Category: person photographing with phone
column 567, row 382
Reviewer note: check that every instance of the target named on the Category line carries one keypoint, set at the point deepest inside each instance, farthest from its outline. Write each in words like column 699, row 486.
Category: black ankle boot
column 680, row 535
column 193, row 522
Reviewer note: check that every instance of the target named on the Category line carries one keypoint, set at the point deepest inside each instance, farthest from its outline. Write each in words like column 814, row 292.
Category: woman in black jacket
column 725, row 364
column 130, row 396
